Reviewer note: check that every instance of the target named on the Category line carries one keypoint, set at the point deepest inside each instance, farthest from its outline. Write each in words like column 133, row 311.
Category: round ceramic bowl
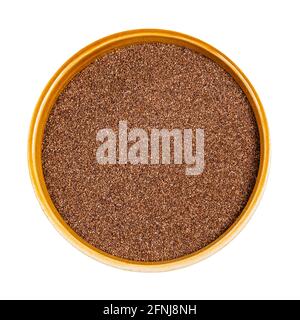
column 76, row 64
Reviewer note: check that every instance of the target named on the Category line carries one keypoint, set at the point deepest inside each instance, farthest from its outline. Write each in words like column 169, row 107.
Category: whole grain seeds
column 144, row 211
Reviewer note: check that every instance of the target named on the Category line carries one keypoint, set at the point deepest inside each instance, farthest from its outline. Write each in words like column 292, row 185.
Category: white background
column 262, row 37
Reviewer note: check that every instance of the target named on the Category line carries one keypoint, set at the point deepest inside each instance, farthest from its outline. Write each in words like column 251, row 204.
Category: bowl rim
column 76, row 63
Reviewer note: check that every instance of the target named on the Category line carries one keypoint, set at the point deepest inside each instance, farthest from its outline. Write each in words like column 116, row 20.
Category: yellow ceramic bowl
column 61, row 79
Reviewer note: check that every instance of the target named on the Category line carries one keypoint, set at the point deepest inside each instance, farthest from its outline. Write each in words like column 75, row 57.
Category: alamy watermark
column 136, row 146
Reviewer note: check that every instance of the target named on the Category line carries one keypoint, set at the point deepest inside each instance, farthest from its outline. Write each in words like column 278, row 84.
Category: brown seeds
column 150, row 212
